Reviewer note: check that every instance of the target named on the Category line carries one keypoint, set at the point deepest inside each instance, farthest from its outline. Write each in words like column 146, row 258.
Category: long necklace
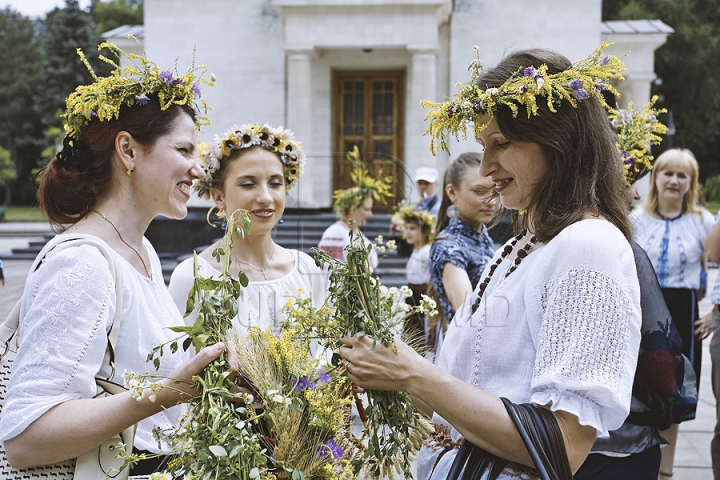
column 261, row 270
column 522, row 253
column 147, row 272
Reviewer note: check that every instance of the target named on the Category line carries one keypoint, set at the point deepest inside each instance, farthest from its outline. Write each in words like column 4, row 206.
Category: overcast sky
column 37, row 8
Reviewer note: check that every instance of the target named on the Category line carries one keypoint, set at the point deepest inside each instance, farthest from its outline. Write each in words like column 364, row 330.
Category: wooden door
column 368, row 112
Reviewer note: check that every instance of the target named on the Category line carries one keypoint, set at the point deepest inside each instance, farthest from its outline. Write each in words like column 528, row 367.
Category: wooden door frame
column 398, row 75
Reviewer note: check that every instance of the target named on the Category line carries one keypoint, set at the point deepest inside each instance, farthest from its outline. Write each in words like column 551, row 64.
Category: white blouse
column 561, row 330
column 67, row 311
column 675, row 247
column 262, row 302
column 417, row 270
column 334, row 240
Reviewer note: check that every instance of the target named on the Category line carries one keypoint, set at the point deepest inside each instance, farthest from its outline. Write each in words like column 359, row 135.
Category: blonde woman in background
column 671, row 227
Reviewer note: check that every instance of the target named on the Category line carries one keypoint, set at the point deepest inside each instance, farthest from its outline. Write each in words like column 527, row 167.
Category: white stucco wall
column 274, row 59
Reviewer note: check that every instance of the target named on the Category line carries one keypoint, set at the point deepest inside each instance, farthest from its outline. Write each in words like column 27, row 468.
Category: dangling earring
column 452, row 211
column 130, row 171
column 281, row 221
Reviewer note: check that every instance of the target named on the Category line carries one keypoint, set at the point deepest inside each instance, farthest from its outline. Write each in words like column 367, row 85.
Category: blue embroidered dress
column 466, row 248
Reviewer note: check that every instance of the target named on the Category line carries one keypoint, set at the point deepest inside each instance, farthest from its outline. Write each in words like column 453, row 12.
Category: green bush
column 711, row 189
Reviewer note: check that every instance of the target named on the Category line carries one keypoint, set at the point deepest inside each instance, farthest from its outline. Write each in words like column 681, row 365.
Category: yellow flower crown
column 588, row 78
column 348, row 199
column 280, row 140
column 423, row 217
column 132, row 85
column 637, row 130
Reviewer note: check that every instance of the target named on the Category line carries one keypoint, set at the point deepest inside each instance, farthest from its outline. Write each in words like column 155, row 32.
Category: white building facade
column 344, row 72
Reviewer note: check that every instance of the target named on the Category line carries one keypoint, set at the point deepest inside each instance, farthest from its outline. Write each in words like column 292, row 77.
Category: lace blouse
column 562, row 330
column 67, row 310
column 675, row 247
column 262, row 301
column 465, row 247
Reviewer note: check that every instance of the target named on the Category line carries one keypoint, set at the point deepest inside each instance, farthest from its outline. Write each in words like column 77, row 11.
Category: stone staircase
column 174, row 240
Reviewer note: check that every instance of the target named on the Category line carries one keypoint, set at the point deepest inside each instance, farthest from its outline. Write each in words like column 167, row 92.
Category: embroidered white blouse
column 417, row 270
column 262, row 302
column 675, row 247
column 67, row 310
column 561, row 330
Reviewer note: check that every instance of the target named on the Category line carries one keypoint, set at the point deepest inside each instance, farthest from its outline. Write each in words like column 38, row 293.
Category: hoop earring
column 219, row 214
column 452, row 211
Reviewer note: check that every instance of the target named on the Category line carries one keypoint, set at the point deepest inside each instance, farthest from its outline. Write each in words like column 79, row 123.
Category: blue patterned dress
column 466, row 248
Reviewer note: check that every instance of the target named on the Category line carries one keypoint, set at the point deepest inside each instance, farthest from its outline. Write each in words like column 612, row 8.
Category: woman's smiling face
column 516, row 168
column 254, row 182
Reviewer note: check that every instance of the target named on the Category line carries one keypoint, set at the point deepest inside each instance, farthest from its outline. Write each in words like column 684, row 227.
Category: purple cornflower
column 450, row 110
column 196, row 89
column 530, row 72
column 303, row 383
column 522, row 88
column 142, row 100
column 324, row 377
column 606, row 60
column 601, row 86
column 628, row 158
column 479, row 105
column 331, row 448
column 578, row 90
column 166, row 76
column 93, row 113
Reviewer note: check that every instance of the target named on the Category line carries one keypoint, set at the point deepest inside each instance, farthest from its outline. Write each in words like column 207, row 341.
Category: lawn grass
column 714, row 207
column 22, row 213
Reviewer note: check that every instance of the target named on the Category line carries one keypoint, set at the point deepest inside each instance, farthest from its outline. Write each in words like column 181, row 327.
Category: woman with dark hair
column 555, row 322
column 129, row 156
column 462, row 247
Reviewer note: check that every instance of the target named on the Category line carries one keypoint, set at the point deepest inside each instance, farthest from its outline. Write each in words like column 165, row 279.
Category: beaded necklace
column 522, row 253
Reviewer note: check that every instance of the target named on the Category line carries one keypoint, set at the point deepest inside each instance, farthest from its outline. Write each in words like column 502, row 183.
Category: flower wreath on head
column 279, row 140
column 347, row 199
column 637, row 130
column 424, row 218
column 132, row 85
column 585, row 79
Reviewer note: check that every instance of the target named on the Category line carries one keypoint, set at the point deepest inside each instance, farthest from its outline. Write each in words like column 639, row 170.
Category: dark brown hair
column 584, row 175
column 454, row 174
column 82, row 171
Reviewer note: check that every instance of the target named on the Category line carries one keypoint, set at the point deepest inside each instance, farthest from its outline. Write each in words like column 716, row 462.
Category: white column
column 422, row 84
column 299, row 120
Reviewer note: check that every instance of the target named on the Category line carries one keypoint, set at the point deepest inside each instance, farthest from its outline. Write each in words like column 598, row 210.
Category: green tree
column 688, row 66
column 21, row 77
column 110, row 14
column 8, row 172
column 63, row 31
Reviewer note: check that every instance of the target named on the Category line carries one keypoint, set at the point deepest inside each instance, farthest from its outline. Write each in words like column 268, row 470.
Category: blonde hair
column 686, row 160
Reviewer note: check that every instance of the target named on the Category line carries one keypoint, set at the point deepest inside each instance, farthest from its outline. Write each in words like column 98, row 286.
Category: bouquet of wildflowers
column 295, row 421
column 394, row 428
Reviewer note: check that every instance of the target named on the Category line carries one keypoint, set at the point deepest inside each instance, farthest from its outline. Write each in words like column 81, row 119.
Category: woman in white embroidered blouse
column 112, row 177
column 254, row 176
column 671, row 227
column 556, row 320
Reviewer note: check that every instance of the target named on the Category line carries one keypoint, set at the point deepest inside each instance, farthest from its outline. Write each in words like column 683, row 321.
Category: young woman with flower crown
column 354, row 206
column 555, row 321
column 252, row 168
column 129, row 156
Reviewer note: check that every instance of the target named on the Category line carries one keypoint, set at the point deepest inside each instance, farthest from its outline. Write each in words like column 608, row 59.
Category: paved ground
column 692, row 461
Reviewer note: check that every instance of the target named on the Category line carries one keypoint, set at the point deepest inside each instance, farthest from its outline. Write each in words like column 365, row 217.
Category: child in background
column 418, row 231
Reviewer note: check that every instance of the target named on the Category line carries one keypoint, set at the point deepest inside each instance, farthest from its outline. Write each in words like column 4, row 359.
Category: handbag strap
column 10, row 326
column 543, row 439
